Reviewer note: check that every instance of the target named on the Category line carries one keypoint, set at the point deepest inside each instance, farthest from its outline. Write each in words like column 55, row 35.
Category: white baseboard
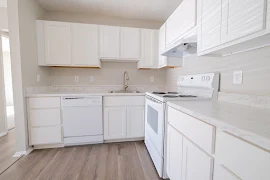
column 23, row 153
column 3, row 133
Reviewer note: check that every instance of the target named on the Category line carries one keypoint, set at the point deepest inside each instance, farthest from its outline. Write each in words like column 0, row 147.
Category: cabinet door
column 149, row 49
column 85, row 45
column 174, row 154
column 181, row 21
column 162, row 45
column 109, row 42
column 115, row 123
column 135, row 122
column 130, row 43
column 222, row 173
column 57, row 43
column 209, row 26
column 197, row 164
column 241, row 18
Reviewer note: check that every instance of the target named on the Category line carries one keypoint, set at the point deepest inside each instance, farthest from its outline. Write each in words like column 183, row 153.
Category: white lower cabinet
column 174, row 154
column 186, row 161
column 135, row 122
column 197, row 164
column 44, row 121
column 222, row 173
column 115, row 123
column 123, row 122
column 241, row 158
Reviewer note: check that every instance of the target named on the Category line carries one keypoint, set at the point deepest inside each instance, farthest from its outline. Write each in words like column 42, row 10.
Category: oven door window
column 152, row 118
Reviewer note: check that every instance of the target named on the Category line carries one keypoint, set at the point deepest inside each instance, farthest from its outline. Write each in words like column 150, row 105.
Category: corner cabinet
column 181, row 21
column 164, row 61
column 149, row 49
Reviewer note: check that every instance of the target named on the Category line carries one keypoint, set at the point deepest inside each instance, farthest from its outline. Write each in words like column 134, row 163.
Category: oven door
column 154, row 124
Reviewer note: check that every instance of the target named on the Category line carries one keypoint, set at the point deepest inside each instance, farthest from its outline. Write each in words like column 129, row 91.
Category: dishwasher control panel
column 81, row 101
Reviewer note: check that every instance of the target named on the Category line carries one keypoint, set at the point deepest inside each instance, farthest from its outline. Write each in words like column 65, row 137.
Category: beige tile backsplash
column 255, row 65
column 110, row 74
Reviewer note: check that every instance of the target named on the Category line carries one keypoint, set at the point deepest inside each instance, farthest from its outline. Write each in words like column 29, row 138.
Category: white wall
column 98, row 19
column 3, row 19
column 255, row 65
column 22, row 19
column 3, row 116
column 109, row 74
column 8, row 78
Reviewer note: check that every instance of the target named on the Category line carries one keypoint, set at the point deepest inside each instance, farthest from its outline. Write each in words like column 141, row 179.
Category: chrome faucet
column 126, row 79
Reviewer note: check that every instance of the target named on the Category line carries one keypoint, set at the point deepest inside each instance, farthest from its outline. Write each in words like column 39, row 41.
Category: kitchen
column 110, row 91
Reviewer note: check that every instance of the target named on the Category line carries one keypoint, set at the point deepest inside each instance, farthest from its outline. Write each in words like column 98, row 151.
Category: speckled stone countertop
column 249, row 123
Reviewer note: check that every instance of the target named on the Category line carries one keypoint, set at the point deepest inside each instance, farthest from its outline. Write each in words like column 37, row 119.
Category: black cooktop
column 159, row 93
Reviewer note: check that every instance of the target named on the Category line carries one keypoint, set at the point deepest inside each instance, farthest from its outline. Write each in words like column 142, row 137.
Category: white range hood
column 184, row 46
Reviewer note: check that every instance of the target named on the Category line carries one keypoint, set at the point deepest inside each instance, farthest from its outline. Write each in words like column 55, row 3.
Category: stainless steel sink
column 124, row 91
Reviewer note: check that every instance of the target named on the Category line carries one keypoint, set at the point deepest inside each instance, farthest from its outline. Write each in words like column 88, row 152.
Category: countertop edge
column 223, row 126
column 81, row 94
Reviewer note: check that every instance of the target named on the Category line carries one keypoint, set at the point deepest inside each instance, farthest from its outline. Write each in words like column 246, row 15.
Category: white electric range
column 199, row 87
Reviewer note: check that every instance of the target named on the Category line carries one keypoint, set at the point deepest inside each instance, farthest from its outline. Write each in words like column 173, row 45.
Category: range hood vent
column 183, row 47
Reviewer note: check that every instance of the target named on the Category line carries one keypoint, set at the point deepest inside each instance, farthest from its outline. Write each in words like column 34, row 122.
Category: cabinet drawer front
column 46, row 135
column 197, row 131
column 47, row 102
column 124, row 101
column 243, row 159
column 45, row 117
column 222, row 173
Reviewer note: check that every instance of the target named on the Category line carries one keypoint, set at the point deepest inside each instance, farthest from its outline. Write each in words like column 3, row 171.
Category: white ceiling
column 156, row 10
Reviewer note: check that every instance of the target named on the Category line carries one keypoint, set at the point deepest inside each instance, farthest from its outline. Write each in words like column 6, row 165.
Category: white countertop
column 249, row 123
column 92, row 93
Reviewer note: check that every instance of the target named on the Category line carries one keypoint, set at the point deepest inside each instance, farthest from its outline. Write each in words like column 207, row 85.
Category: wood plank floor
column 116, row 161
column 7, row 150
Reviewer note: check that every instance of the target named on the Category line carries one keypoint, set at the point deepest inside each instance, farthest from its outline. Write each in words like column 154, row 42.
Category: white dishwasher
column 82, row 120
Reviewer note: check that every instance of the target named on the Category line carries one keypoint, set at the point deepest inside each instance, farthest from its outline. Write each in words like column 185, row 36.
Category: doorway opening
column 8, row 81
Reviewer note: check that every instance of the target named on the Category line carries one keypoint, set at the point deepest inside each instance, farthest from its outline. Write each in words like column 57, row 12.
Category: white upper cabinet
column 163, row 60
column 181, row 21
column 209, row 27
column 85, row 45
column 109, row 42
column 57, row 43
column 130, row 43
column 241, row 18
column 149, row 49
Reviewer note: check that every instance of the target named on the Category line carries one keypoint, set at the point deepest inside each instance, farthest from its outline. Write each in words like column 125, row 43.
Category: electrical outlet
column 152, row 79
column 38, row 77
column 92, row 79
column 77, row 79
column 238, row 77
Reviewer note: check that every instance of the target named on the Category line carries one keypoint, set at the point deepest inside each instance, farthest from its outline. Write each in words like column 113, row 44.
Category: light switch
column 152, row 79
column 38, row 77
column 77, row 79
column 92, row 79
column 238, row 77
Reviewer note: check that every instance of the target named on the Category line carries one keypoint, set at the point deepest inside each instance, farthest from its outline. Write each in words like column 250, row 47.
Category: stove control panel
column 198, row 80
